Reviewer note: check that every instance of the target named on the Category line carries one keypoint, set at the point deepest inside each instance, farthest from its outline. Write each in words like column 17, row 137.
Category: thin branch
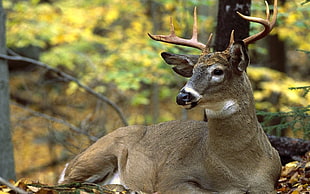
column 11, row 52
column 8, row 184
column 57, row 120
column 70, row 78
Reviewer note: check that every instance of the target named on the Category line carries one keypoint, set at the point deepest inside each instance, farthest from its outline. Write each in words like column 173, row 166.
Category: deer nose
column 184, row 98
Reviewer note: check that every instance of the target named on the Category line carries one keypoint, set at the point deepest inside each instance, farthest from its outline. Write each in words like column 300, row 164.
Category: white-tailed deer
column 228, row 154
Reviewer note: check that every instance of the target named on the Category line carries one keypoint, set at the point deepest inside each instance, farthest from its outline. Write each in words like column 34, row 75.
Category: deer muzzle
column 188, row 97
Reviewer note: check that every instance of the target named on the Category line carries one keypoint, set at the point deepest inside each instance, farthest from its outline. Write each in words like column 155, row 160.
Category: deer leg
column 100, row 170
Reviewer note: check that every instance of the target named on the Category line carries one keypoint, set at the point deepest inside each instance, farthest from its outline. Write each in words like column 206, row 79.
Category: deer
column 229, row 154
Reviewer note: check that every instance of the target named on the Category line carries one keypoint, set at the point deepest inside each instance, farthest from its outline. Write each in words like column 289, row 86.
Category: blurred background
column 104, row 44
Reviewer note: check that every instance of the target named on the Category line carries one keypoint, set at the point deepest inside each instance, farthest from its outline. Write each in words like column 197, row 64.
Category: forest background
column 104, row 44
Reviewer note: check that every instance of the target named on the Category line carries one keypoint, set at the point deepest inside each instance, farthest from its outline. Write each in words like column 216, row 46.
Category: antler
column 172, row 38
column 268, row 25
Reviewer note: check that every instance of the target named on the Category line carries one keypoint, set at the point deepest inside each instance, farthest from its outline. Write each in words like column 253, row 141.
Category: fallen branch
column 70, row 78
column 290, row 149
column 8, row 184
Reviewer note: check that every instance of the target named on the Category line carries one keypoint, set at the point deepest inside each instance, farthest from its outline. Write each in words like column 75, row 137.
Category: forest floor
column 295, row 179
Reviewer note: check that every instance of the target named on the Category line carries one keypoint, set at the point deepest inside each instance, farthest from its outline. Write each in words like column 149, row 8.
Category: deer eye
column 218, row 72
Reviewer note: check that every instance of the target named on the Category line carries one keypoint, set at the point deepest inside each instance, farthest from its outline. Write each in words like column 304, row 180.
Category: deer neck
column 233, row 124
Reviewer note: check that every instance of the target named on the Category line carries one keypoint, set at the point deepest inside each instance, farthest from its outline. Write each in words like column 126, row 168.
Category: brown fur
column 229, row 154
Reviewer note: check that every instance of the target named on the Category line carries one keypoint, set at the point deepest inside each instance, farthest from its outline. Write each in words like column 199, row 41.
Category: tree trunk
column 228, row 20
column 7, row 167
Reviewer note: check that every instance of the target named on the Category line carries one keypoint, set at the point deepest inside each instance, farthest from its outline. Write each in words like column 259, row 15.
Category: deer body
column 229, row 154
column 179, row 160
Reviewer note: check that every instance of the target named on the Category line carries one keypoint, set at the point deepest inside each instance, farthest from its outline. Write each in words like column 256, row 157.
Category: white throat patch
column 221, row 109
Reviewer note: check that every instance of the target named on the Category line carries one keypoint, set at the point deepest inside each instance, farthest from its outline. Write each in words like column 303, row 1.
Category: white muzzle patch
column 193, row 92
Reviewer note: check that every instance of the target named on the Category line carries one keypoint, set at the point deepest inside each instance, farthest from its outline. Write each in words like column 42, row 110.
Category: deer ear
column 182, row 64
column 239, row 57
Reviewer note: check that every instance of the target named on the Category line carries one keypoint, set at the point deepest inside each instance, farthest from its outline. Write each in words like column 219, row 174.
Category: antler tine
column 267, row 11
column 172, row 32
column 231, row 41
column 195, row 26
column 268, row 25
column 208, row 45
column 173, row 39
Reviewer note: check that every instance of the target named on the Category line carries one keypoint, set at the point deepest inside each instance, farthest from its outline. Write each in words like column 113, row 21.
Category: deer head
column 213, row 72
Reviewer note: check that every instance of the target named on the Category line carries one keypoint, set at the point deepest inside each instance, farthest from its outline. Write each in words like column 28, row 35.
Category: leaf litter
column 295, row 179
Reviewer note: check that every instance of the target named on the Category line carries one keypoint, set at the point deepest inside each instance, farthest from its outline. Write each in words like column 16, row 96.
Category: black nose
column 184, row 98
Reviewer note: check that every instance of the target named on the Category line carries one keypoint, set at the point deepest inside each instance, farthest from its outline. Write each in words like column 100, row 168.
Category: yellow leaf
column 112, row 15
column 1, row 192
column 291, row 164
column 33, row 189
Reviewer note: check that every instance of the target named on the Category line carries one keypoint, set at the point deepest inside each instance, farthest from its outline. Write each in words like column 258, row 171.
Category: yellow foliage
column 120, row 51
column 270, row 83
column 295, row 24
column 72, row 87
column 292, row 22
column 111, row 15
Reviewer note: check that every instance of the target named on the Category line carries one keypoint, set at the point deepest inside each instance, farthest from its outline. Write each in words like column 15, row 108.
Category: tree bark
column 228, row 20
column 276, row 53
column 7, row 167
